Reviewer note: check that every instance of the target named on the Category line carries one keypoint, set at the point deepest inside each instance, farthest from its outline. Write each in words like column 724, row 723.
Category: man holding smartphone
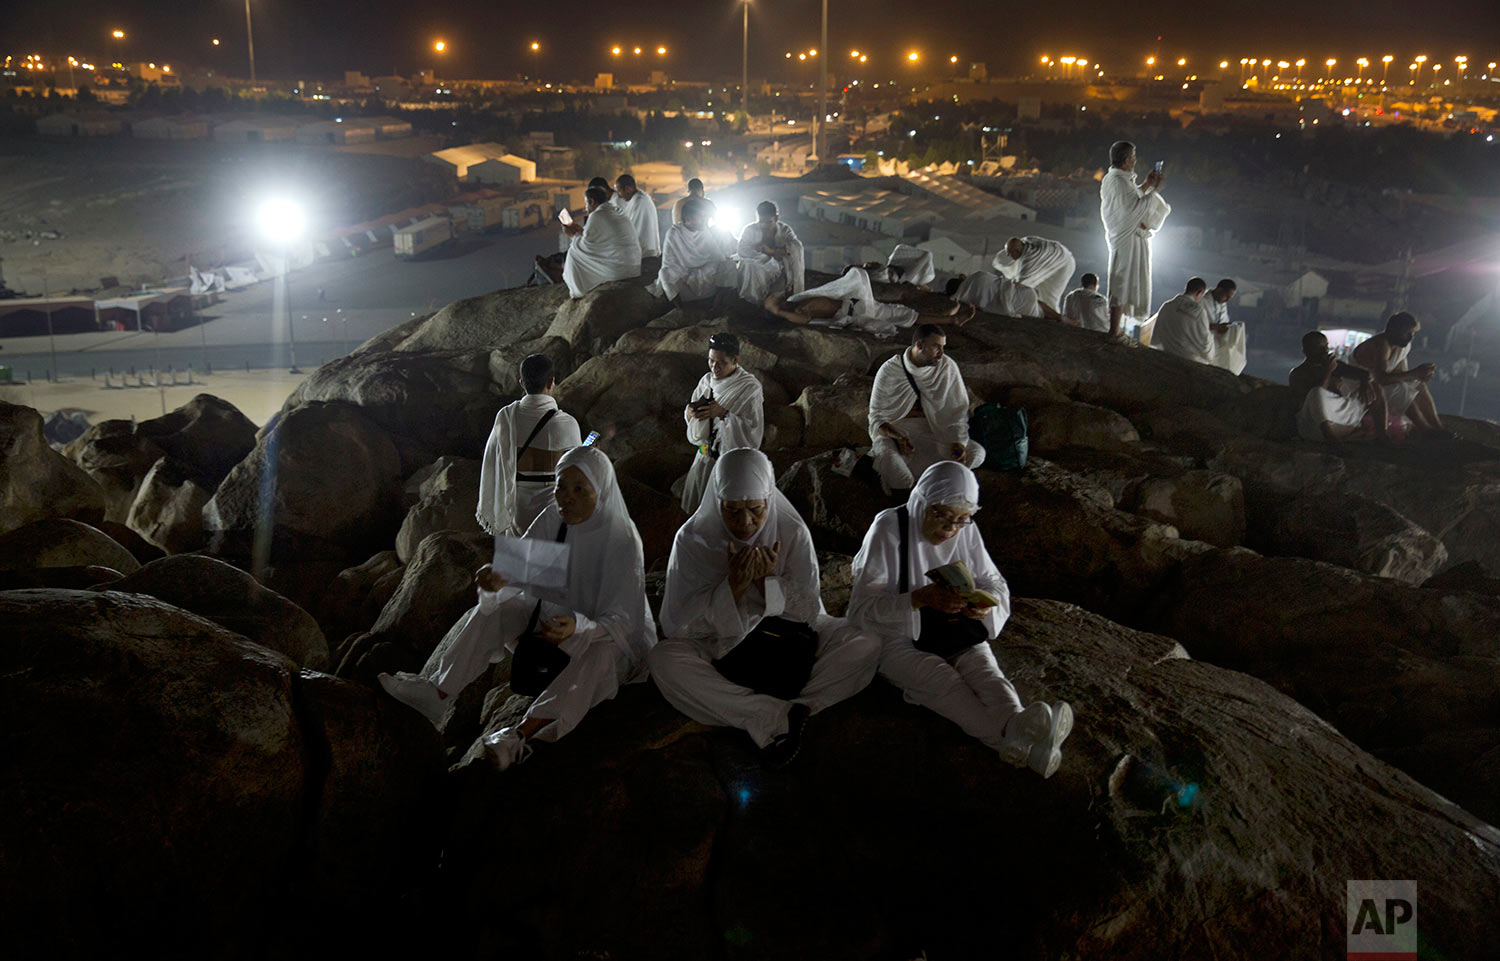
column 1132, row 213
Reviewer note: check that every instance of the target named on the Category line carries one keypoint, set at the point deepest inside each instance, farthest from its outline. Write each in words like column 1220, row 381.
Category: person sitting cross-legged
column 748, row 643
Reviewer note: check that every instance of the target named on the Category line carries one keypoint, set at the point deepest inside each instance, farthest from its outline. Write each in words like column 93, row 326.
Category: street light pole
column 250, row 40
column 745, row 65
column 291, row 321
column 822, row 139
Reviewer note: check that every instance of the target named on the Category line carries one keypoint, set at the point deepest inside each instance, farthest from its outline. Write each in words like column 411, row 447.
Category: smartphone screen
column 1159, row 165
column 566, row 218
column 589, row 440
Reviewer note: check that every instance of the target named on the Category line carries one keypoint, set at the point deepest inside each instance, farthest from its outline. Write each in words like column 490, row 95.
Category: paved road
column 362, row 296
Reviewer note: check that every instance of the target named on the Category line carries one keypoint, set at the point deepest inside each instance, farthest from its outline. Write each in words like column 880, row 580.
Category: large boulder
column 59, row 542
column 497, row 319
column 435, row 589
column 353, row 601
column 333, row 478
column 35, row 480
column 1354, row 532
column 185, row 785
column 117, row 459
column 592, row 323
column 838, row 509
column 1203, row 505
column 207, row 436
column 446, row 494
column 234, row 600
column 168, row 508
column 1198, row 813
column 605, row 395
column 1412, row 675
column 1056, row 427
column 836, row 414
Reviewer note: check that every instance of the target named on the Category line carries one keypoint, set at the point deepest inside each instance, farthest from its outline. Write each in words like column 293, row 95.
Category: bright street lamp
column 1362, row 63
column 913, row 56
column 282, row 222
column 1421, row 59
column 1300, row 65
column 661, row 51
column 440, row 46
column 117, row 34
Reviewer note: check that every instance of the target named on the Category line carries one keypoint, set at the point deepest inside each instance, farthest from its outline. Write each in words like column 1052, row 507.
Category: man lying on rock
column 919, row 412
column 1340, row 402
column 936, row 640
column 850, row 301
column 748, row 644
column 571, row 649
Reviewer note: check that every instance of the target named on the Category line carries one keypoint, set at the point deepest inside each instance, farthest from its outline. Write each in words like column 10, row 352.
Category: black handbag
column 946, row 635
column 537, row 661
column 775, row 659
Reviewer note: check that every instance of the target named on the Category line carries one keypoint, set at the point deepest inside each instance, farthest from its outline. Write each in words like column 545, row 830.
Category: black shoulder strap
column 532, row 436
column 903, row 521
column 536, row 612
column 909, row 378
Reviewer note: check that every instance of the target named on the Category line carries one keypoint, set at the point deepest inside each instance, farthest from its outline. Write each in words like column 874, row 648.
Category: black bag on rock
column 776, row 658
column 946, row 635
column 537, row 661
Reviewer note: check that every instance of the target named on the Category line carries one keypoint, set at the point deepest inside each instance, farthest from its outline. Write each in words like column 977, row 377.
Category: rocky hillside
column 1285, row 661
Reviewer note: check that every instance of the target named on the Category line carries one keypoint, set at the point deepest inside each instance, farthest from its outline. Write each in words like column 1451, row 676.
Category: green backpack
column 1001, row 431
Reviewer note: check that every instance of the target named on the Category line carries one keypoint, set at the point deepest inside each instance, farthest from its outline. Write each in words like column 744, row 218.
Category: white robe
column 711, row 212
column 1322, row 404
column 508, row 505
column 694, row 263
column 998, row 295
column 641, row 213
column 614, row 630
column 702, row 621
column 1089, row 307
column 741, row 394
column 1181, row 328
column 969, row 690
column 1124, row 207
column 760, row 274
column 859, row 307
column 1045, row 266
column 915, row 263
column 944, row 420
column 608, row 249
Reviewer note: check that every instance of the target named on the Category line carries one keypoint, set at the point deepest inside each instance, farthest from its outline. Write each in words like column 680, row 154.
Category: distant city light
column 661, row 51
column 853, row 54
column 280, row 220
column 215, row 41
column 1182, row 61
column 535, row 46
column 440, row 46
column 615, row 51
column 953, row 59
column 913, row 56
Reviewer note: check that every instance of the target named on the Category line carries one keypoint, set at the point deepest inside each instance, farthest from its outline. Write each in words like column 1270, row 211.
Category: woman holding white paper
column 936, row 643
column 600, row 620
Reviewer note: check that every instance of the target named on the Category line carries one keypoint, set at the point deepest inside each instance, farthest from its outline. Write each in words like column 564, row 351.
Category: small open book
column 958, row 578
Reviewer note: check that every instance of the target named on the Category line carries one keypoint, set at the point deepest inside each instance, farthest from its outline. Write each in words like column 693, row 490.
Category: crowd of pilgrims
column 743, row 639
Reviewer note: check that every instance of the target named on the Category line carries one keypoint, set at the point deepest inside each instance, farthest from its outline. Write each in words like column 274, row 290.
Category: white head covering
column 606, row 567
column 945, row 484
column 700, row 553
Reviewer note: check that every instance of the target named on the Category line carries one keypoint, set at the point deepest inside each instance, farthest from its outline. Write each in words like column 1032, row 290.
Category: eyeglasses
column 949, row 519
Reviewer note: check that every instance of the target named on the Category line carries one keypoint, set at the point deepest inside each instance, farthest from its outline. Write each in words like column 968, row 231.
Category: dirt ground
column 138, row 210
column 258, row 394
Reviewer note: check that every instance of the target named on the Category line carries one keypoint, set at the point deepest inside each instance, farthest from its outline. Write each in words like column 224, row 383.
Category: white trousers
column 695, row 483
column 532, row 497
column 757, row 279
column 972, row 692
column 900, row 473
column 591, row 677
column 685, row 674
column 1050, row 289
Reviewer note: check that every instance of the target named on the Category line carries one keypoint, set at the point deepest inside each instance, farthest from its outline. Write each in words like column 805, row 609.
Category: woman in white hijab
column 956, row 675
column 743, row 599
column 601, row 621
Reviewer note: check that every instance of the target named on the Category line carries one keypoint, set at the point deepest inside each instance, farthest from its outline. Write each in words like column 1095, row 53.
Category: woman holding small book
column 925, row 584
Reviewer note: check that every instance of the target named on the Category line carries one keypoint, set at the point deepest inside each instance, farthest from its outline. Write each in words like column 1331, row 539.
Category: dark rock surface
column 35, row 480
column 59, row 542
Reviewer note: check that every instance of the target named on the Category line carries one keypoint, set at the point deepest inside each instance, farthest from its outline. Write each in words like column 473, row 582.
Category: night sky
column 321, row 39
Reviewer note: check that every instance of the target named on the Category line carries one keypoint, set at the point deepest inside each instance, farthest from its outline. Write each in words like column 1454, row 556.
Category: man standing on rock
column 1044, row 265
column 1132, row 214
column 516, row 476
column 919, row 412
column 604, row 248
column 1384, row 356
column 726, row 411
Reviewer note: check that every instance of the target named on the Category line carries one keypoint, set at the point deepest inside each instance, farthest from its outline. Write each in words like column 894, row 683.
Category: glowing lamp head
column 440, row 46
column 1182, row 61
column 280, row 220
column 661, row 51
column 913, row 56
column 1387, row 58
column 216, row 41
column 117, row 34
column 535, row 46
column 953, row 59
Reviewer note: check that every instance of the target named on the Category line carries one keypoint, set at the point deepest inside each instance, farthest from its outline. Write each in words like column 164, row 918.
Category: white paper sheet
column 565, row 217
column 528, row 562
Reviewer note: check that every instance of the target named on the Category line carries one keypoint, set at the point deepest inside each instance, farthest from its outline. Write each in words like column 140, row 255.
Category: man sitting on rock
column 695, row 260
column 1085, row 307
column 1182, row 326
column 725, row 411
column 919, row 412
column 994, row 294
column 603, row 248
column 516, row 476
column 850, row 301
column 1310, row 373
column 770, row 257
column 1384, row 356
column 1329, row 414
column 748, row 643
column 637, row 207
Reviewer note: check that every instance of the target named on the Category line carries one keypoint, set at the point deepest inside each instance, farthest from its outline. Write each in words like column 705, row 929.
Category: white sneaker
column 1034, row 737
column 417, row 693
column 1046, row 754
column 506, row 748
